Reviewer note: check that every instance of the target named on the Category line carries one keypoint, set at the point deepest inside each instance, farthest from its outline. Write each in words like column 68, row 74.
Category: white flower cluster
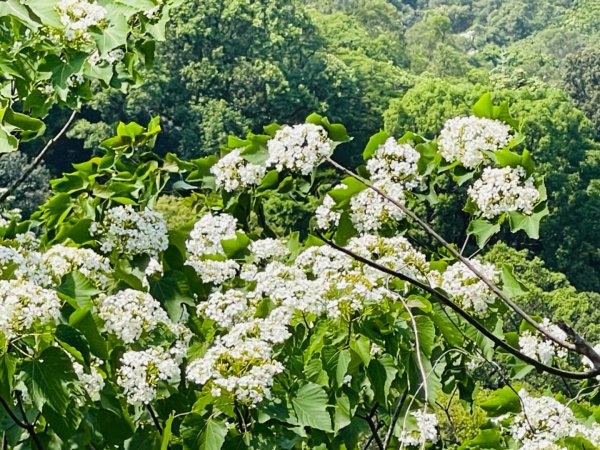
column 233, row 172
column 299, row 148
column 544, row 350
column 369, row 211
column 78, row 16
column 92, row 381
column 130, row 233
column 60, row 260
column 24, row 305
column 395, row 163
column 129, row 313
column 505, row 189
column 544, row 421
column 225, row 308
column 268, row 249
column 464, row 139
column 205, row 241
column 245, row 369
column 326, row 215
column 466, row 288
column 425, row 430
column 141, row 371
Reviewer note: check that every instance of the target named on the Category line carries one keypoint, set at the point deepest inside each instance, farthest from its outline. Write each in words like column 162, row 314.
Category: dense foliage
column 308, row 285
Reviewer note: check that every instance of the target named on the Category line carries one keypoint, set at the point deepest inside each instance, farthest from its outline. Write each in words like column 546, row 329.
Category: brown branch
column 38, row 159
column 580, row 346
column 471, row 320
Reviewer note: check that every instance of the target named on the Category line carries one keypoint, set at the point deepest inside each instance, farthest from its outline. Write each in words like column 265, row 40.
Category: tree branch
column 580, row 347
column 395, row 417
column 28, row 426
column 472, row 321
column 38, row 159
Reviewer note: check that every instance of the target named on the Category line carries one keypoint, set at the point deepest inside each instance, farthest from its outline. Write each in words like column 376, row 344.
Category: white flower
column 466, row 288
column 77, row 16
column 141, row 371
column 326, row 216
column 92, row 381
column 129, row 313
column 244, row 368
column 464, row 139
column 544, row 350
column 268, row 249
column 131, row 233
column 299, row 148
column 369, row 211
column 208, row 232
column 205, row 240
column 233, row 172
column 225, row 308
column 24, row 305
column 426, row 429
column 501, row 190
column 395, row 163
column 60, row 260
column 544, row 420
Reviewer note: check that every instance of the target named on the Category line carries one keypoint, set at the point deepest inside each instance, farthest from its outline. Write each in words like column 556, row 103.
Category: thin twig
column 14, row 418
column 395, row 417
column 38, row 159
column 154, row 418
column 481, row 328
column 579, row 347
column 28, row 426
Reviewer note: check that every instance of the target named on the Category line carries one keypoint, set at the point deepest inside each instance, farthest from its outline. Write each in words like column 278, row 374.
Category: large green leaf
column 310, row 406
column 530, row 224
column 482, row 230
column 502, row 401
column 47, row 378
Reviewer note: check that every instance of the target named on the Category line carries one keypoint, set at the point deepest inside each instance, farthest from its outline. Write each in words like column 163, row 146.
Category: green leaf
column 30, row 127
column 486, row 439
column 362, row 347
column 484, row 106
column 343, row 362
column 75, row 339
column 82, row 320
column 47, row 378
column 310, row 407
column 483, row 230
column 503, row 401
column 236, row 248
column 78, row 287
column 213, row 435
column 381, row 378
column 530, row 224
column 113, row 36
column 16, row 9
column 374, row 142
column 8, row 365
column 510, row 284
column 166, row 437
column 426, row 333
